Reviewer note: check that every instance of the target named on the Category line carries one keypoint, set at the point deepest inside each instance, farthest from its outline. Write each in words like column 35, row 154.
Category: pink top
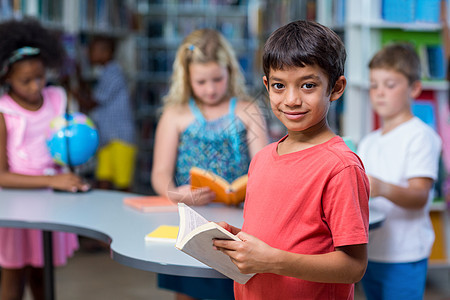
column 27, row 130
column 27, row 154
column 306, row 202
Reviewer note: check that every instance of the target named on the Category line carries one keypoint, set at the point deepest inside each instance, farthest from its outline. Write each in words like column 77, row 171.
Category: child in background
column 401, row 159
column 209, row 122
column 26, row 109
column 306, row 213
column 112, row 113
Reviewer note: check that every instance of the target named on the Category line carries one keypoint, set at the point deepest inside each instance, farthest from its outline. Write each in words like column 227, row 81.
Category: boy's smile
column 299, row 97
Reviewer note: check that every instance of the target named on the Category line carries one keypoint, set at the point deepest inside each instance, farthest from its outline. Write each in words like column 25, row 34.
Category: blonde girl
column 208, row 121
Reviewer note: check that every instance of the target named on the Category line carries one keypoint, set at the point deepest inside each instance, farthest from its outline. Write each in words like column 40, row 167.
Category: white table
column 102, row 215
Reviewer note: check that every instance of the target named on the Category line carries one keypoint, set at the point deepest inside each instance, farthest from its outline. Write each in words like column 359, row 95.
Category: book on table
column 163, row 233
column 195, row 236
column 151, row 203
column 229, row 193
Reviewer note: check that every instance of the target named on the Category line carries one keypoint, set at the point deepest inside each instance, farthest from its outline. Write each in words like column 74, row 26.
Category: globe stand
column 69, row 162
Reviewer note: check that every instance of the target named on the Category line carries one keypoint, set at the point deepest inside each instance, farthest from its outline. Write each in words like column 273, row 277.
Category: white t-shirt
column 410, row 150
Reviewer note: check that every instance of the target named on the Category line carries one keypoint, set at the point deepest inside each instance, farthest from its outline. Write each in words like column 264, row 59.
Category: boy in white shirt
column 401, row 159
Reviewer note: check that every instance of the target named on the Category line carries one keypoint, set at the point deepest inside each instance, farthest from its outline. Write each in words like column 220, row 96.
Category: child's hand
column 68, row 182
column 184, row 194
column 232, row 229
column 251, row 255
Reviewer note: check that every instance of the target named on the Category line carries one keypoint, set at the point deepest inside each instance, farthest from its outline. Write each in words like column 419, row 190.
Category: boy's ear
column 338, row 88
column 266, row 83
column 416, row 89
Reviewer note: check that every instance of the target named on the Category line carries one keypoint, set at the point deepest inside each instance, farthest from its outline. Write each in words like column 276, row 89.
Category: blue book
column 436, row 62
column 428, row 11
column 424, row 110
column 399, row 11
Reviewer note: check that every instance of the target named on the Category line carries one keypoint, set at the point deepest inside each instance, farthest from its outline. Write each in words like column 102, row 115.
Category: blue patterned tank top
column 219, row 146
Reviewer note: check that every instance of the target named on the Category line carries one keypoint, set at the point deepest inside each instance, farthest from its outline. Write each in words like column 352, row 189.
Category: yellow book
column 164, row 233
column 229, row 193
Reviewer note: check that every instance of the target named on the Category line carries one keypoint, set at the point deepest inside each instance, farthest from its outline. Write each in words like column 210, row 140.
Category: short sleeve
column 346, row 206
column 110, row 84
column 423, row 156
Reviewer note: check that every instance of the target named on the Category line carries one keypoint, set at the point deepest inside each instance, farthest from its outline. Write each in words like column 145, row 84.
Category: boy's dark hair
column 28, row 32
column 399, row 57
column 301, row 43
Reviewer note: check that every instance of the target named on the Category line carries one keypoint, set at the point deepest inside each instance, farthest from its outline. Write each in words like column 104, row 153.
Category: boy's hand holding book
column 196, row 236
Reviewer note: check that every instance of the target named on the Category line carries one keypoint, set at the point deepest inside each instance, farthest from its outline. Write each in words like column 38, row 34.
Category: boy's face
column 99, row 53
column 299, row 97
column 391, row 93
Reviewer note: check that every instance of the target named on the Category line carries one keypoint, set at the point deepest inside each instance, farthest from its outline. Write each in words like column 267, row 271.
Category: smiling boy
column 306, row 214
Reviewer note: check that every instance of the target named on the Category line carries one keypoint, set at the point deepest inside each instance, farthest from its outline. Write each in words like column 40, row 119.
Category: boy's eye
column 278, row 86
column 308, row 86
column 390, row 84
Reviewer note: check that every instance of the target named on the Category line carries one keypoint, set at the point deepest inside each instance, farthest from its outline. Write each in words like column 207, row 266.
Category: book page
column 189, row 220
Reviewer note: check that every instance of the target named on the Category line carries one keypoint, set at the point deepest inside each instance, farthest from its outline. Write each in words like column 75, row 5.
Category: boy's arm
column 345, row 265
column 414, row 196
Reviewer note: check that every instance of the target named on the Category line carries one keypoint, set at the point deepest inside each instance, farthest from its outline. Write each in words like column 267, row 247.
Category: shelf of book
column 368, row 27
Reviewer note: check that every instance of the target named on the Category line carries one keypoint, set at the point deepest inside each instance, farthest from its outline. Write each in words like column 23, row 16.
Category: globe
column 72, row 139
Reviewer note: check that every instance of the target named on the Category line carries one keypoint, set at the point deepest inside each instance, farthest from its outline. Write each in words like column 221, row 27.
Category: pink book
column 151, row 203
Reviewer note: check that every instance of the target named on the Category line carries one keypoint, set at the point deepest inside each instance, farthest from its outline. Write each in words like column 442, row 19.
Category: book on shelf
column 151, row 203
column 163, row 233
column 229, row 193
column 195, row 238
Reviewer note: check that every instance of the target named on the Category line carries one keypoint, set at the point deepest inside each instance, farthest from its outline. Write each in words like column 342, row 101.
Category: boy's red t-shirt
column 307, row 202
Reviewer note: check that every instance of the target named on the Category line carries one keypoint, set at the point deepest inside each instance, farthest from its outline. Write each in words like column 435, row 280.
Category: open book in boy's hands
column 228, row 193
column 195, row 237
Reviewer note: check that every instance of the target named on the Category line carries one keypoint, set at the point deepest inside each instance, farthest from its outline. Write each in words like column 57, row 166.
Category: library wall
column 149, row 32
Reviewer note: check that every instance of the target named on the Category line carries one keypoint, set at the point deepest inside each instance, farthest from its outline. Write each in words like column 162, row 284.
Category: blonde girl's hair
column 204, row 46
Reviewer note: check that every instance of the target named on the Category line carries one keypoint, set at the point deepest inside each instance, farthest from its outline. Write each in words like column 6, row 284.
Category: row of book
column 409, row 11
column 47, row 10
column 433, row 62
column 105, row 14
column 94, row 14
column 194, row 2
column 178, row 28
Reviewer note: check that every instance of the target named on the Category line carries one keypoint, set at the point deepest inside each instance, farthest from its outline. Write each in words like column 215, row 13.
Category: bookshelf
column 369, row 25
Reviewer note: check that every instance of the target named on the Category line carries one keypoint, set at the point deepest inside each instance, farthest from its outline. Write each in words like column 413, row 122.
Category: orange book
column 151, row 203
column 229, row 193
